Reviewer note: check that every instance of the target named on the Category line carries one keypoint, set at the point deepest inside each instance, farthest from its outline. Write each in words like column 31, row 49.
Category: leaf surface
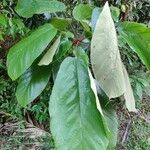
column 32, row 83
column 128, row 95
column 76, row 123
column 105, row 56
column 82, row 12
column 27, row 8
column 22, row 55
column 138, row 38
column 48, row 57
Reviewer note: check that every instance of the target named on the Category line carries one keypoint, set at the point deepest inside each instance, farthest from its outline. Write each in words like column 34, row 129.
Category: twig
column 125, row 135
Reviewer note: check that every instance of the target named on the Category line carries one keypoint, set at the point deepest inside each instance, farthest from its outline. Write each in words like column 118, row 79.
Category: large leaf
column 105, row 56
column 138, row 38
column 76, row 123
column 32, row 83
column 128, row 95
column 48, row 57
column 22, row 55
column 27, row 8
column 82, row 12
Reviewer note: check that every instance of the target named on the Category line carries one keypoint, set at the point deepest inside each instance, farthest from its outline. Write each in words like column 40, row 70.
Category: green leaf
column 32, row 83
column 128, row 95
column 110, row 117
column 1, row 36
column 105, row 56
column 48, row 57
column 76, row 123
column 82, row 12
column 27, row 8
column 115, row 13
column 65, row 45
column 22, row 55
column 3, row 20
column 112, row 121
column 60, row 23
column 138, row 38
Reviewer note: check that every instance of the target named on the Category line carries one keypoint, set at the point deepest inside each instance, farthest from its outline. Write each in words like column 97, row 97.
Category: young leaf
column 128, row 95
column 105, row 56
column 27, row 8
column 82, row 12
column 138, row 38
column 32, row 83
column 22, row 55
column 48, row 57
column 76, row 123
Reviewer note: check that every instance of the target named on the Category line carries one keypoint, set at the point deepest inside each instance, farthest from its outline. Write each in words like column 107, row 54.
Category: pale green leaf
column 27, row 8
column 48, row 57
column 32, row 83
column 128, row 95
column 76, row 123
column 105, row 56
column 93, row 86
column 22, row 55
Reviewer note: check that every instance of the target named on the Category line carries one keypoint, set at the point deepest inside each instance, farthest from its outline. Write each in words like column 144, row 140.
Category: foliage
column 49, row 55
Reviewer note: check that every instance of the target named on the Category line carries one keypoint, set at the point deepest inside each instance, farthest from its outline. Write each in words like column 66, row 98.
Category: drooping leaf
column 32, row 83
column 22, row 55
column 105, row 56
column 27, row 8
column 48, row 57
column 128, row 95
column 60, row 23
column 76, row 123
column 138, row 38
column 82, row 12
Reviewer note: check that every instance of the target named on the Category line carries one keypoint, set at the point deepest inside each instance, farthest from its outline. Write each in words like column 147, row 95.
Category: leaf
column 3, row 20
column 22, row 55
column 76, row 123
column 82, row 12
column 109, row 115
column 115, row 13
column 32, row 83
column 112, row 121
column 93, row 86
column 128, row 95
column 60, row 23
column 27, row 8
column 48, row 57
column 65, row 45
column 138, row 38
column 105, row 56
column 95, row 15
